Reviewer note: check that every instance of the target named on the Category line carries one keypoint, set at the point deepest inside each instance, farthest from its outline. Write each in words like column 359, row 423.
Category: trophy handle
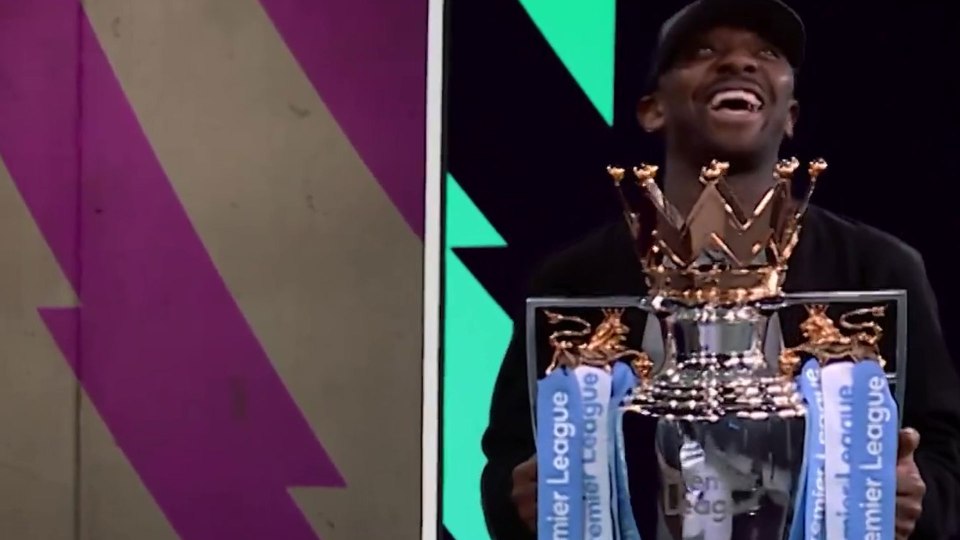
column 898, row 297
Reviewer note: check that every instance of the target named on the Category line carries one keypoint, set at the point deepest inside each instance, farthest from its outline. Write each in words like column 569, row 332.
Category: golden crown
column 720, row 253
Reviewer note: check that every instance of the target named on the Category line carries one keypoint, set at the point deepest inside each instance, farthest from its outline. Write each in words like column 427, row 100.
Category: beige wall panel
column 321, row 263
column 38, row 391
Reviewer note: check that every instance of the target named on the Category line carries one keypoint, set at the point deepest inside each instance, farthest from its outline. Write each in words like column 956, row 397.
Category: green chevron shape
column 582, row 33
column 476, row 334
column 466, row 226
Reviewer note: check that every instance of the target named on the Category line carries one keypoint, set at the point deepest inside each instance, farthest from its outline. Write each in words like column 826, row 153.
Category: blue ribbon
column 810, row 513
column 624, row 524
column 559, row 457
column 874, row 439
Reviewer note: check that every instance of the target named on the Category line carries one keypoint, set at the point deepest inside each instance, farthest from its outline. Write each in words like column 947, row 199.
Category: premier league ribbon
column 595, row 391
column 838, row 410
column 560, row 429
column 873, row 479
column 809, row 517
column 575, row 445
column 624, row 524
column 849, row 489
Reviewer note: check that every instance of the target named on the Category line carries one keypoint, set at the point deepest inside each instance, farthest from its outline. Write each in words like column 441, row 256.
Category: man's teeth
column 732, row 97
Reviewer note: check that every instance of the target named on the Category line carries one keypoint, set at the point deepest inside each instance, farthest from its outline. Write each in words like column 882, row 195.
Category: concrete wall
column 210, row 299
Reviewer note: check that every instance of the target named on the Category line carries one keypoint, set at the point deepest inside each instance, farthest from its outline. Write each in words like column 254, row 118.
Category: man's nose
column 737, row 62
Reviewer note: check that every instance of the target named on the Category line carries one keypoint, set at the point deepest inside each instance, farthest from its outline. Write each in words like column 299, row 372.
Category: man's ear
column 792, row 116
column 650, row 114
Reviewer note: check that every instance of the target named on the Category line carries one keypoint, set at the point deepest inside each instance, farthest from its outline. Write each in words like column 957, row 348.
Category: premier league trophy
column 747, row 446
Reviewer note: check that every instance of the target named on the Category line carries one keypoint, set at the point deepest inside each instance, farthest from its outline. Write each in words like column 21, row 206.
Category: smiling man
column 722, row 87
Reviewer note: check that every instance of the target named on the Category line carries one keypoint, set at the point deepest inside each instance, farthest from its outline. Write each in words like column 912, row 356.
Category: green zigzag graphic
column 476, row 330
column 583, row 34
column 476, row 334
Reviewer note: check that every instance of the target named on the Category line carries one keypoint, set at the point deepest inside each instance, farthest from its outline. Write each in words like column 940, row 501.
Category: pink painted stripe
column 38, row 136
column 368, row 61
column 164, row 352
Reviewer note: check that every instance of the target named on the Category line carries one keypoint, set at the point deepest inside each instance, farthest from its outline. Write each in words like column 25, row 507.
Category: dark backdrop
column 879, row 100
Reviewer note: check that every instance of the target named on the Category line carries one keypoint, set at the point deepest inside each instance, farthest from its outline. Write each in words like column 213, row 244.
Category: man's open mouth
column 741, row 100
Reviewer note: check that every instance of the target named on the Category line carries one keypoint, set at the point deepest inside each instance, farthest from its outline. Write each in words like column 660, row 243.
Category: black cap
column 772, row 19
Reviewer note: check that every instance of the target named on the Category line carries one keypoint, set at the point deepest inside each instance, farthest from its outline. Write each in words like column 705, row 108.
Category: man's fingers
column 524, row 493
column 908, row 512
column 910, row 486
column 910, row 483
column 528, row 514
column 909, row 508
column 525, row 499
column 526, row 470
column 904, row 530
column 909, row 440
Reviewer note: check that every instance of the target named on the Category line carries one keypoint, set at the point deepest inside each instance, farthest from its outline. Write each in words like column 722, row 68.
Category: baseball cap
column 774, row 20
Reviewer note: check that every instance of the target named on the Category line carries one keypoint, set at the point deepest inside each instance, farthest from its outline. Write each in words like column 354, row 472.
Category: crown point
column 715, row 170
column 616, row 173
column 646, row 173
column 786, row 167
column 817, row 166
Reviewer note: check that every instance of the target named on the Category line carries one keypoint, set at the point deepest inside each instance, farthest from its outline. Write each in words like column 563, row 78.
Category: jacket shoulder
column 594, row 262
column 874, row 248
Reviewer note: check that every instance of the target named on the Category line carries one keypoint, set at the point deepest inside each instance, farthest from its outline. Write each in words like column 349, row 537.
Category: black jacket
column 833, row 254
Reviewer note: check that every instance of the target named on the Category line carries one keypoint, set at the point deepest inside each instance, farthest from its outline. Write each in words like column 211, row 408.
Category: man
column 723, row 88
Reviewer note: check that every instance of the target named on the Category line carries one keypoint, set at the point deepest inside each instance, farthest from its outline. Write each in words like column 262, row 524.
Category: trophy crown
column 721, row 251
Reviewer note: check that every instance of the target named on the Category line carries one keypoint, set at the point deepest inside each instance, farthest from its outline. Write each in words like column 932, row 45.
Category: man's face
column 728, row 95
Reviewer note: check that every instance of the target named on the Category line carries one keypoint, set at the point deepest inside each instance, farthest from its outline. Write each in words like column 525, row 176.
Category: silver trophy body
column 729, row 428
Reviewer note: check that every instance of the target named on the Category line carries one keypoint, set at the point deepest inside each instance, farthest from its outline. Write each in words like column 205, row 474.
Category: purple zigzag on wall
column 367, row 60
column 159, row 344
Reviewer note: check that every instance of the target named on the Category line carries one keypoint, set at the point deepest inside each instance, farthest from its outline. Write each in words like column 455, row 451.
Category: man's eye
column 704, row 51
column 770, row 53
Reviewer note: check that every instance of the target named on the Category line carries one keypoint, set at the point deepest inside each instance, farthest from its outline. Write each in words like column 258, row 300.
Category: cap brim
column 772, row 19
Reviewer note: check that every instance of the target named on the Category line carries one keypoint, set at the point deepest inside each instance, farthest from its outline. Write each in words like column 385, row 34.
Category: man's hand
column 910, row 487
column 525, row 491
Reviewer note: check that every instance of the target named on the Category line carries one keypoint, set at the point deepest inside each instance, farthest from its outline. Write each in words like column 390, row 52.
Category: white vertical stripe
column 431, row 273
